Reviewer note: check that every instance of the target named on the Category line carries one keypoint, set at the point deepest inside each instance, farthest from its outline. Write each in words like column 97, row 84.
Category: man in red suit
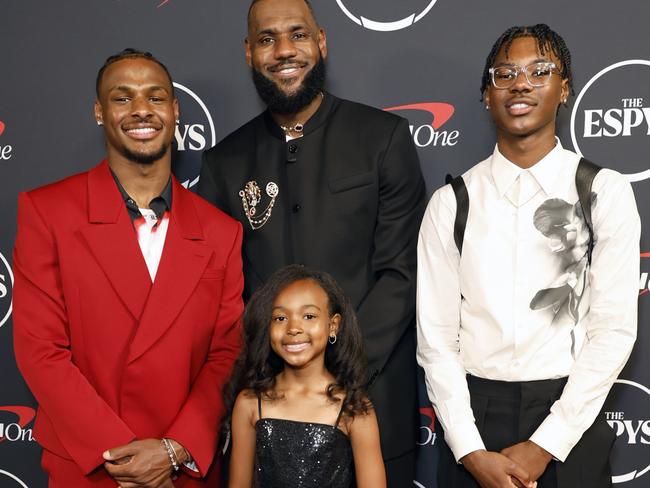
column 127, row 302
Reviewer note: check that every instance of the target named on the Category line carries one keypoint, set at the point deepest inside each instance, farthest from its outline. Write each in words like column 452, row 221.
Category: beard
column 144, row 158
column 283, row 103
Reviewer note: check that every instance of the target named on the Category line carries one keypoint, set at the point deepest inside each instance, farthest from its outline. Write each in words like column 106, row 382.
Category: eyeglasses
column 537, row 74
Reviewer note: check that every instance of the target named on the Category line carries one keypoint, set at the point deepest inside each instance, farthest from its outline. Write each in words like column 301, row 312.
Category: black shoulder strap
column 462, row 210
column 338, row 417
column 585, row 175
column 259, row 406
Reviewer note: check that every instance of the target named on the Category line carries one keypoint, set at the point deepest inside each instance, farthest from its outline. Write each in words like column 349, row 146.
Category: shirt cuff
column 556, row 437
column 463, row 440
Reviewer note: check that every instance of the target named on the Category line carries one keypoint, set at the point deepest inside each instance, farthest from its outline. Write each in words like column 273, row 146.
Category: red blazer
column 109, row 356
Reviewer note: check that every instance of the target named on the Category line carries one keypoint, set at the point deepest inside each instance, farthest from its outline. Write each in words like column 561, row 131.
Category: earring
column 178, row 121
column 99, row 122
column 487, row 107
column 332, row 339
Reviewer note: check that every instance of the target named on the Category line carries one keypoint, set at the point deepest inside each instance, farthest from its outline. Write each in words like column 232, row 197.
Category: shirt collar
column 159, row 204
column 315, row 121
column 545, row 171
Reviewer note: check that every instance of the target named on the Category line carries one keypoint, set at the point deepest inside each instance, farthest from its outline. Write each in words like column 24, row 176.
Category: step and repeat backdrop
column 421, row 59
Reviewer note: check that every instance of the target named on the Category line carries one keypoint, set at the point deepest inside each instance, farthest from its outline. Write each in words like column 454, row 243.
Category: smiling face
column 301, row 325
column 138, row 110
column 523, row 110
column 285, row 48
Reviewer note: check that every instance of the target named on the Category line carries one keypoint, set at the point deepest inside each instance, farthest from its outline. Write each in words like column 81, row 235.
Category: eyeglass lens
column 537, row 74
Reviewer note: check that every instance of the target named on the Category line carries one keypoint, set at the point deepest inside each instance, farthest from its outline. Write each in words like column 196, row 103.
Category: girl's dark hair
column 258, row 365
column 547, row 39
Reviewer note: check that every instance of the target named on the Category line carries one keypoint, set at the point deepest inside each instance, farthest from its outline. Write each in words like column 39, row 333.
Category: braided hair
column 547, row 40
column 130, row 53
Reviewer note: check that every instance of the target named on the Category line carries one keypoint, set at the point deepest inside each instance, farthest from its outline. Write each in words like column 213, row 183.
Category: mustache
column 281, row 102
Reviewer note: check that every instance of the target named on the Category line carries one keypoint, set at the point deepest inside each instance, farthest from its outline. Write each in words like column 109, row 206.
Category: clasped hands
column 517, row 466
column 143, row 463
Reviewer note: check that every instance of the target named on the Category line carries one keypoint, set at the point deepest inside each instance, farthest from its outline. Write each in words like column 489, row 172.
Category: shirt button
column 296, row 208
column 293, row 149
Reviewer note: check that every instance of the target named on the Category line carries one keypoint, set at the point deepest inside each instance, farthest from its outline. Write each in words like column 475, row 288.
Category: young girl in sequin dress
column 301, row 418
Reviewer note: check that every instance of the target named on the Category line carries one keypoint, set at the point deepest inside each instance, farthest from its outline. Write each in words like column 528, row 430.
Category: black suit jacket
column 351, row 198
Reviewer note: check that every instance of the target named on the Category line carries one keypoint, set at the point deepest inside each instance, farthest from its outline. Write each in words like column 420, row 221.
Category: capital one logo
column 13, row 423
column 628, row 413
column 9, row 480
column 643, row 281
column 427, row 429
column 395, row 15
column 194, row 133
column 6, row 287
column 6, row 149
column 426, row 122
column 610, row 121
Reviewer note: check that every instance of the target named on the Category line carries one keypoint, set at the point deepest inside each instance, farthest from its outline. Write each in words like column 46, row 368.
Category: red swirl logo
column 11, row 429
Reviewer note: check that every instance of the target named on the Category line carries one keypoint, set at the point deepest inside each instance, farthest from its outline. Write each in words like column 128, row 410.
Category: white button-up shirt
column 521, row 304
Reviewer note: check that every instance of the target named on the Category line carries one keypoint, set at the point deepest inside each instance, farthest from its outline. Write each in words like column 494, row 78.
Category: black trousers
column 400, row 471
column 509, row 412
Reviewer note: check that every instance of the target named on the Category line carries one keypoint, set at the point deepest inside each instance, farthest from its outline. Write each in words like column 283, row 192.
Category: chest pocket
column 338, row 185
column 213, row 274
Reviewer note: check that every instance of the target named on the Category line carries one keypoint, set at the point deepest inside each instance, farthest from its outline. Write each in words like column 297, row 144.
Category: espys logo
column 394, row 15
column 194, row 133
column 5, row 150
column 14, row 429
column 429, row 117
column 8, row 480
column 610, row 121
column 6, row 288
column 643, row 281
column 632, row 427
column 428, row 430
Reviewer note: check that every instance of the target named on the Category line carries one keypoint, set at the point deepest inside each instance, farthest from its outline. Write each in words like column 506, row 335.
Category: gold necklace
column 298, row 127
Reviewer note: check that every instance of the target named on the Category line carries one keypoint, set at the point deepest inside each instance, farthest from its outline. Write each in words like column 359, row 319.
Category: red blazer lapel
column 182, row 263
column 111, row 239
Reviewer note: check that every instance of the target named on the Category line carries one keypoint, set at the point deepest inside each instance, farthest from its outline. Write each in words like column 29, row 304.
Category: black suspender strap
column 585, row 175
column 462, row 210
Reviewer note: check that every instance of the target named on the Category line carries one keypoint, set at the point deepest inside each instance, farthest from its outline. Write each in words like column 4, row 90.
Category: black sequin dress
column 292, row 454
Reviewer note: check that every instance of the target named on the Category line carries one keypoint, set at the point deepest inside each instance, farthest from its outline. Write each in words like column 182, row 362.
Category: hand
column 494, row 470
column 140, row 463
column 530, row 456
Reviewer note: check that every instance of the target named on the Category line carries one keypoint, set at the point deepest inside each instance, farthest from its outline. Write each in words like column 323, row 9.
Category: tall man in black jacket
column 334, row 185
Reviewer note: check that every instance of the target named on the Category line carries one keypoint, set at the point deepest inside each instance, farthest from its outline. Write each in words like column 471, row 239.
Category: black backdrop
column 419, row 58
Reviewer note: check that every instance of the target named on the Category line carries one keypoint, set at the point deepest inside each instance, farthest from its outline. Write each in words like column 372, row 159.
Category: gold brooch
column 251, row 196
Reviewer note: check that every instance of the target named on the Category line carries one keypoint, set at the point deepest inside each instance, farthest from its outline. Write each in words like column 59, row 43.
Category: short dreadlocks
column 547, row 39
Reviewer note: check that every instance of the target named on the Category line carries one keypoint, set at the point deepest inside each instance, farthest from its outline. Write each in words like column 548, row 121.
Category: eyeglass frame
column 523, row 69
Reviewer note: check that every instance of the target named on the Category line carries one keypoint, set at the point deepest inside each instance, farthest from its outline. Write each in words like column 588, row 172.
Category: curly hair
column 258, row 365
column 547, row 39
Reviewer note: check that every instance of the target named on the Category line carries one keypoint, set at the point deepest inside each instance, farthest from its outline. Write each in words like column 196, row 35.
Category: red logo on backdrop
column 427, row 129
column 5, row 151
column 430, row 414
column 440, row 112
column 643, row 281
column 13, row 430
column 428, row 428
